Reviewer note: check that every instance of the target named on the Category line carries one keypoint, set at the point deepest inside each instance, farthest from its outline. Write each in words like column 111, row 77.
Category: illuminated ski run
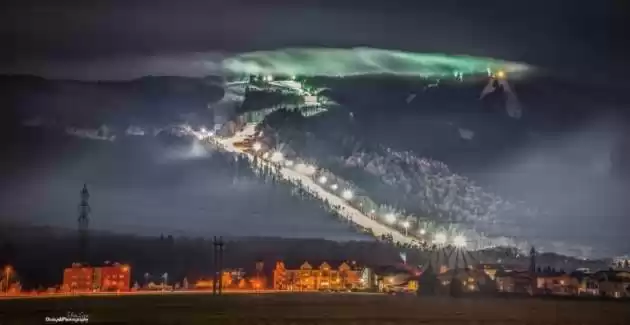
column 337, row 202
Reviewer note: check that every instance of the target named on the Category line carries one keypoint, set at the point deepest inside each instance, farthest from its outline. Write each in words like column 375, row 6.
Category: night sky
column 579, row 38
column 122, row 39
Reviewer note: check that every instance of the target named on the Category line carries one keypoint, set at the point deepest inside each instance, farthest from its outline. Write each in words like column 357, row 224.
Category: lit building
column 615, row 284
column 514, row 281
column 492, row 269
column 324, row 277
column 79, row 279
column 116, row 277
column 113, row 278
column 397, row 278
column 472, row 280
column 227, row 279
column 557, row 283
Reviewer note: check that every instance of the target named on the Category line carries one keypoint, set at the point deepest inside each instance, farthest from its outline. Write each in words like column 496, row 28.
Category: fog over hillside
column 564, row 157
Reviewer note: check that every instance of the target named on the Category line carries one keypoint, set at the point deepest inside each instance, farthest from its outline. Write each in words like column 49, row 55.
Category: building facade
column 557, row 283
column 78, row 278
column 323, row 277
column 514, row 281
column 230, row 279
column 614, row 284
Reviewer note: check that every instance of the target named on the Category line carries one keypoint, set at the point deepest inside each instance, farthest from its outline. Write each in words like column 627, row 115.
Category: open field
column 316, row 309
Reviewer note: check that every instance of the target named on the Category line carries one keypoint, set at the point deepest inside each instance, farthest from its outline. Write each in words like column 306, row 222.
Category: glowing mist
column 364, row 61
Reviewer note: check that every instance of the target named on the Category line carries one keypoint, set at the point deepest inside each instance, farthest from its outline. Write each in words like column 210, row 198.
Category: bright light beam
column 459, row 241
column 277, row 157
column 323, row 180
column 440, row 239
column 309, row 170
column 406, row 225
column 347, row 195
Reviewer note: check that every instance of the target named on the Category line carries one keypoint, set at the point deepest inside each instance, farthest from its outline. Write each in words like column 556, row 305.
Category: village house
column 556, row 283
column 397, row 278
column 615, row 284
column 514, row 281
column 472, row 279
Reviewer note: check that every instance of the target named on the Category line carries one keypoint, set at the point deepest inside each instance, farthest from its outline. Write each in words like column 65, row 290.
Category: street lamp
column 7, row 271
column 309, row 170
column 440, row 239
column 165, row 277
column 347, row 195
column 423, row 231
column 459, row 241
column 277, row 157
column 323, row 179
column 305, row 169
column 257, row 146
column 334, row 187
column 405, row 225
column 390, row 218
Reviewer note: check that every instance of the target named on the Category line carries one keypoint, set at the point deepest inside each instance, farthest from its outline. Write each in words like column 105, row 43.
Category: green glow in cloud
column 364, row 61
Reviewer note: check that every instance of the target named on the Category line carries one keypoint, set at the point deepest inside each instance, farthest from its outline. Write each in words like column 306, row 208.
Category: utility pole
column 83, row 223
column 7, row 278
column 217, row 283
column 456, row 285
column 259, row 269
column 532, row 268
